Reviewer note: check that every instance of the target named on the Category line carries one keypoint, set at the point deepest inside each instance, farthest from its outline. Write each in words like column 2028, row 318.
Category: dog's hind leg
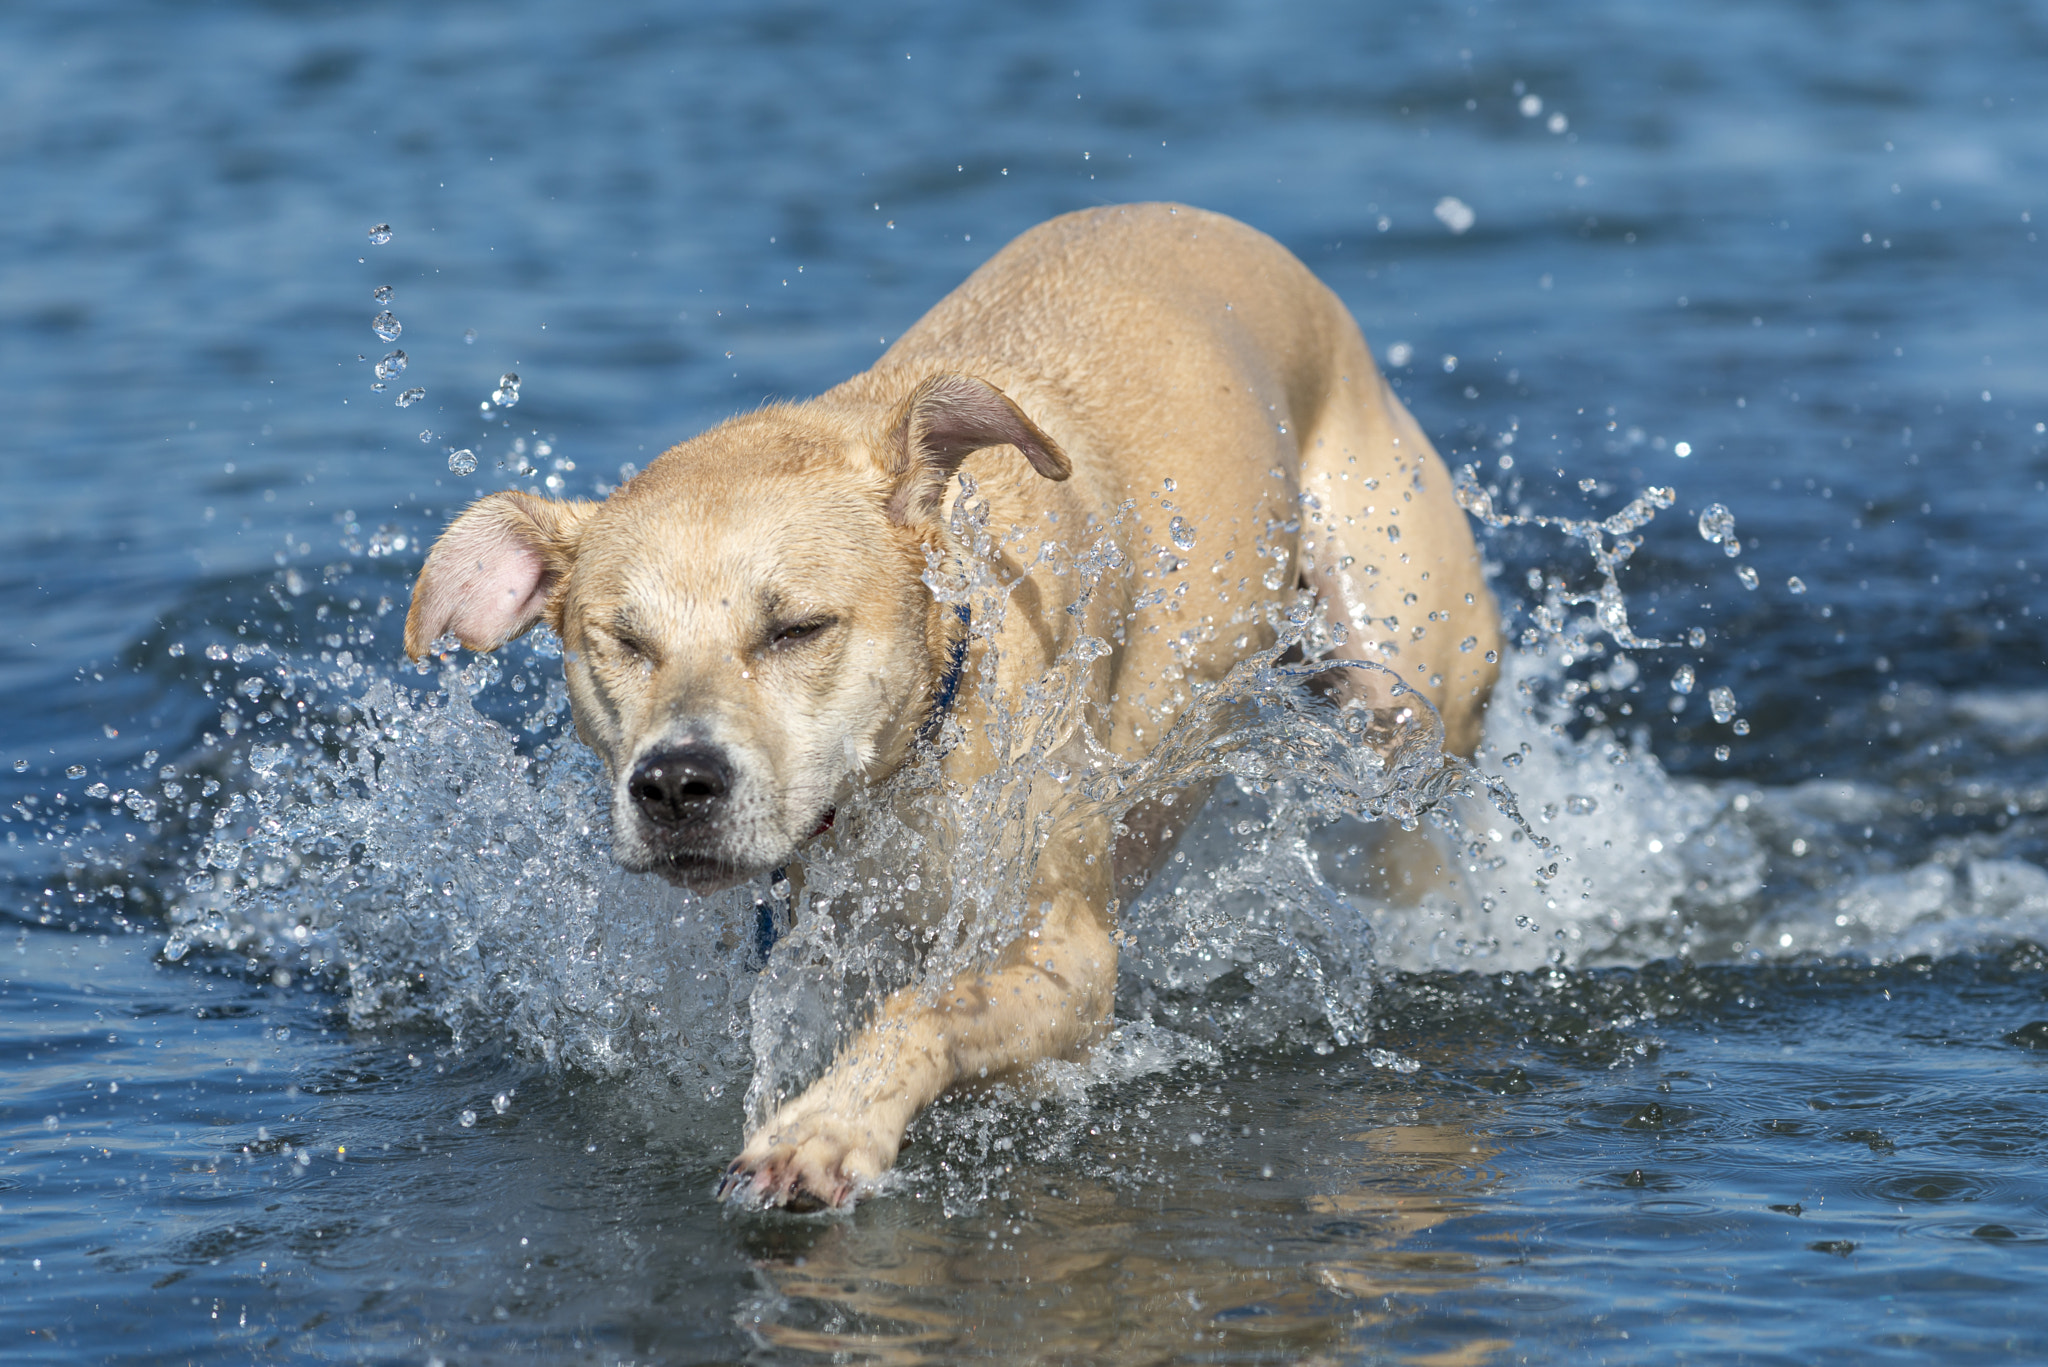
column 1390, row 553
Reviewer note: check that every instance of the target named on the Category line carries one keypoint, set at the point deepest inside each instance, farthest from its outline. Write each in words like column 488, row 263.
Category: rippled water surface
column 328, row 1032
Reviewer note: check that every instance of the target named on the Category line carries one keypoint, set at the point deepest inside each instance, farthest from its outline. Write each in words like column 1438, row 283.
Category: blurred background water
column 1780, row 257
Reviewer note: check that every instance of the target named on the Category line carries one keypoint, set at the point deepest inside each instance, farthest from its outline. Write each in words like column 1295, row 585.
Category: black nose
column 681, row 786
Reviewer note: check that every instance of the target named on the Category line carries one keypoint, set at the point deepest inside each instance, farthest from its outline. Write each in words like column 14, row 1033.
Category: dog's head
column 745, row 625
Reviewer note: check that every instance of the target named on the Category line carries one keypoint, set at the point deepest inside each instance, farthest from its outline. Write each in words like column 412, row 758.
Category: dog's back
column 1170, row 347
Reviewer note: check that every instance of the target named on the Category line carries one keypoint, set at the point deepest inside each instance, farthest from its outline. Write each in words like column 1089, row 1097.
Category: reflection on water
column 1232, row 1246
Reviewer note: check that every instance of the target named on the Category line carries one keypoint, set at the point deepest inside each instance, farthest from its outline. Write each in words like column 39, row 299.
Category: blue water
column 1800, row 239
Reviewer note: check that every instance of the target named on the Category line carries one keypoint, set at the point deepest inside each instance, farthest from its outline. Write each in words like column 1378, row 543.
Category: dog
column 749, row 635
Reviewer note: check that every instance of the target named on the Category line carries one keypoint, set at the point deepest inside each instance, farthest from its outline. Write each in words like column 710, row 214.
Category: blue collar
column 770, row 920
column 949, row 683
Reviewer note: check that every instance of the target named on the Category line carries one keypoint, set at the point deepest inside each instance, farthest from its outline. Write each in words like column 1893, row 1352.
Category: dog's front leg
column 1048, row 995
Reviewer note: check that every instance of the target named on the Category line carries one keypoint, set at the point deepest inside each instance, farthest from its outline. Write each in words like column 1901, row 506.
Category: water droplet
column 462, row 462
column 507, row 392
column 1578, row 804
column 1741, row 727
column 448, row 888
column 1455, row 214
column 1393, row 531
column 1717, row 524
column 1796, row 584
column 1682, row 449
column 380, row 234
column 1696, row 637
column 382, row 294
column 502, row 1102
column 411, row 397
column 1721, row 753
column 1400, row 354
column 1682, row 679
column 392, row 365
column 1746, row 575
column 21, row 766
column 468, row 1119
column 99, row 790
column 75, row 771
column 1183, row 535
column 426, row 435
column 469, row 336
column 387, row 326
column 1721, row 701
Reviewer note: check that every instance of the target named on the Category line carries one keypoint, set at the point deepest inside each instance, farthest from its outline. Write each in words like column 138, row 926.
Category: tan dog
column 749, row 637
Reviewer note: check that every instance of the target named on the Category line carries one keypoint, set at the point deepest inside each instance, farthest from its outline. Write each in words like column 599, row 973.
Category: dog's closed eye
column 796, row 633
column 631, row 646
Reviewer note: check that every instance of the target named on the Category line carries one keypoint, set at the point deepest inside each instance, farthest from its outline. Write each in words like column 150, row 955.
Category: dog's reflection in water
column 1074, row 1261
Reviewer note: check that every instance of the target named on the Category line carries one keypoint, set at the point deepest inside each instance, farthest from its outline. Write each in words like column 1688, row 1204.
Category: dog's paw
column 809, row 1161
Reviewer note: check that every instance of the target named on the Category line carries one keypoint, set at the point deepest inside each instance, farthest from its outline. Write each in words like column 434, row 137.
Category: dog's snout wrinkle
column 681, row 786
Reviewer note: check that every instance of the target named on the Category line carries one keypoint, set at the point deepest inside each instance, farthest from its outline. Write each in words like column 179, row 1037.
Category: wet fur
column 1092, row 359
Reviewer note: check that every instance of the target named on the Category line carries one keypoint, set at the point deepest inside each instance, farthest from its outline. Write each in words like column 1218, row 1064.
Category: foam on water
column 448, row 867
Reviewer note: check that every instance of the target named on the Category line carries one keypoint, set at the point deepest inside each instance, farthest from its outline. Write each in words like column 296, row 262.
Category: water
column 1753, row 1076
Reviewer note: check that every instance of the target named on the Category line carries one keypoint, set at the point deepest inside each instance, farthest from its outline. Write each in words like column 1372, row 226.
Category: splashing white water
column 411, row 848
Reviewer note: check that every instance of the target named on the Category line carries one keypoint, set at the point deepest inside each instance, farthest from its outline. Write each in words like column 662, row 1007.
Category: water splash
column 436, row 846
column 1610, row 606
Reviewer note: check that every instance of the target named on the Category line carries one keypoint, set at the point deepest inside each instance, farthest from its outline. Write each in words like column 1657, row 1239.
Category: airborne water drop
column 1717, row 524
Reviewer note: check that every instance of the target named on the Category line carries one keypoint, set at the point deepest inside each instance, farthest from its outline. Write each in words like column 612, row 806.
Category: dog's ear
column 943, row 421
column 491, row 574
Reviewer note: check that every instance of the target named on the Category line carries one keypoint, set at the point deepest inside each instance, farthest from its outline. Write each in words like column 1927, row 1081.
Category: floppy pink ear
column 491, row 575
column 946, row 419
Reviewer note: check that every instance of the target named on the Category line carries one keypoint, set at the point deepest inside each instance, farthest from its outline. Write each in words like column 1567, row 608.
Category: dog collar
column 949, row 683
